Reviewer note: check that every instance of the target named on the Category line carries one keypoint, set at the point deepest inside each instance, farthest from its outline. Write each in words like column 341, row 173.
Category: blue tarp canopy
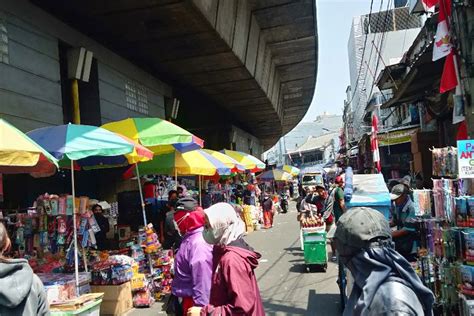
column 370, row 190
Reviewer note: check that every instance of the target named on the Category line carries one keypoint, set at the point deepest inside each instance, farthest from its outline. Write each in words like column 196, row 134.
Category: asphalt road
column 285, row 285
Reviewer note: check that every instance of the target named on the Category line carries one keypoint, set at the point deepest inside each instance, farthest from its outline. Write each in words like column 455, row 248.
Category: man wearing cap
column 403, row 214
column 384, row 281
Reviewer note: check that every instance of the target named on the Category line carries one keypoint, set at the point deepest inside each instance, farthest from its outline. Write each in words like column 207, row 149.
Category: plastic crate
column 92, row 309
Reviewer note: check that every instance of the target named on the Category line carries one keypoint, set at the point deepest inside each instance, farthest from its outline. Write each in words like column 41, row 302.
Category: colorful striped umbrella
column 249, row 162
column 274, row 175
column 89, row 146
column 226, row 160
column 70, row 143
column 20, row 154
column 291, row 170
column 158, row 135
column 196, row 162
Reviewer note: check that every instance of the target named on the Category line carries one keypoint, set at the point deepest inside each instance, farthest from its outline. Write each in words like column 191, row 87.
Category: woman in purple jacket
column 193, row 262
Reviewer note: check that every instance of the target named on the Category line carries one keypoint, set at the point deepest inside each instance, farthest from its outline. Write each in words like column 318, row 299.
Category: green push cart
column 315, row 253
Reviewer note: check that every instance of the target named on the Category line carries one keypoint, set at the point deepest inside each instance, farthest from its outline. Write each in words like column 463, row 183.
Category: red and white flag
column 449, row 78
column 374, row 143
column 442, row 42
column 429, row 4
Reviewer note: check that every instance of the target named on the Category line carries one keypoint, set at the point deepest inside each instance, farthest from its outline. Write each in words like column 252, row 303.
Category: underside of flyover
column 254, row 60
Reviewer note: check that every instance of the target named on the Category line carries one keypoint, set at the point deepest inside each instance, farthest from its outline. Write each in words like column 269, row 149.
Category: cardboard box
column 115, row 308
column 122, row 292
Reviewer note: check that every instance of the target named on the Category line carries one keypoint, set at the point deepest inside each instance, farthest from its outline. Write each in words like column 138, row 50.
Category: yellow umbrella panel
column 20, row 154
column 196, row 162
column 250, row 162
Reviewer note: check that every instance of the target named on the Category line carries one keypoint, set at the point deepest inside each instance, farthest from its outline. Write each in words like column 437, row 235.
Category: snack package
column 61, row 225
column 469, row 247
column 467, row 276
column 54, row 202
column 470, row 213
column 461, row 212
column 93, row 224
column 62, row 205
column 69, row 205
column 83, row 204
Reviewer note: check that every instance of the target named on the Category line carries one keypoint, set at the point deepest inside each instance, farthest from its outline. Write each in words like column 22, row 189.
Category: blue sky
column 334, row 24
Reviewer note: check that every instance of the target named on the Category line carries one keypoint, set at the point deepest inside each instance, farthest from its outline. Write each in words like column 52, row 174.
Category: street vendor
column 103, row 222
column 403, row 212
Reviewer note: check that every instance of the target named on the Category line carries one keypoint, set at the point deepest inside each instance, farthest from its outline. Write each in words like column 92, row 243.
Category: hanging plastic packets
column 443, row 195
column 445, row 162
column 422, row 202
column 461, row 211
column 468, row 238
column 470, row 211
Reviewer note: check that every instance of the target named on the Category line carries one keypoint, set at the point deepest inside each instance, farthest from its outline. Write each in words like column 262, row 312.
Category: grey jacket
column 21, row 291
column 394, row 297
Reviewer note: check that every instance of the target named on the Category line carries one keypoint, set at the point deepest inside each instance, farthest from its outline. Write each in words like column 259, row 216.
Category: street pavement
column 285, row 285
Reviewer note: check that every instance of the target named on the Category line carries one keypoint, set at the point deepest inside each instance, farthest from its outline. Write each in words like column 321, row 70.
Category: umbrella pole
column 175, row 178
column 200, row 194
column 141, row 194
column 150, row 262
column 73, row 187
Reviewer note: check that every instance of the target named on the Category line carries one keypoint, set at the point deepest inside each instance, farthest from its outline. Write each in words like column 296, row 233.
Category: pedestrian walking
column 21, row 291
column 193, row 262
column 234, row 288
column 336, row 209
column 384, row 281
column 267, row 208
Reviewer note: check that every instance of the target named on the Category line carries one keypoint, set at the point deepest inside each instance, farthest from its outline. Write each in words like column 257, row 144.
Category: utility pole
column 462, row 24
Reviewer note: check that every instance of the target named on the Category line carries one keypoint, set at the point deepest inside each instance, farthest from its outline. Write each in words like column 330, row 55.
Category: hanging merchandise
column 445, row 163
column 443, row 195
column 422, row 201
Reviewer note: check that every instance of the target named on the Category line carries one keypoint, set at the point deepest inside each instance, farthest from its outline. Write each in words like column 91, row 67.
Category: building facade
column 239, row 74
column 376, row 40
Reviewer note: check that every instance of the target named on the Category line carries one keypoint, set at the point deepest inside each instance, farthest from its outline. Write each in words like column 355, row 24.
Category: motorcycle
column 284, row 203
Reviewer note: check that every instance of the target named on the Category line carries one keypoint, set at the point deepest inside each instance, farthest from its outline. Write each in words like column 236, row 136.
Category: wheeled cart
column 314, row 247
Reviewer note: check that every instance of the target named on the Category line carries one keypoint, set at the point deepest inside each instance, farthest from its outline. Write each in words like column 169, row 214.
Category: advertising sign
column 466, row 158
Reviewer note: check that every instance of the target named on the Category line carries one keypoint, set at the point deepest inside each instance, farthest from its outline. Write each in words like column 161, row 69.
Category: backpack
column 329, row 205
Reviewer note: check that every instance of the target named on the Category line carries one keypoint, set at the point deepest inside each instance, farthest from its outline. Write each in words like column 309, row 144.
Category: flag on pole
column 442, row 42
column 449, row 80
column 429, row 4
column 374, row 143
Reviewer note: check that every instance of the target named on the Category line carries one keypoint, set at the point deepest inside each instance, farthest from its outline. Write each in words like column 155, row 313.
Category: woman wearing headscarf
column 234, row 288
column 384, row 282
column 193, row 262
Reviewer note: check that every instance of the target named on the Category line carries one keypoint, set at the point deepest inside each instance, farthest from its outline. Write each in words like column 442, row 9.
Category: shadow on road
column 318, row 304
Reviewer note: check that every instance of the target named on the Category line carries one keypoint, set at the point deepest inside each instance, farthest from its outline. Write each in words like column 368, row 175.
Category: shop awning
column 396, row 136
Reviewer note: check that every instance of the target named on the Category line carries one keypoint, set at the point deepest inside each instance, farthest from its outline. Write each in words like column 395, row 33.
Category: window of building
column 3, row 42
column 136, row 97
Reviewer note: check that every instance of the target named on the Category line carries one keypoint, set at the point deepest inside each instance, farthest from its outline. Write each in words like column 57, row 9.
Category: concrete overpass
column 255, row 60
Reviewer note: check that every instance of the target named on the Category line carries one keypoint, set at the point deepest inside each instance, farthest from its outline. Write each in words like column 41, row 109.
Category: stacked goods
column 312, row 220
column 163, row 273
column 142, row 291
column 117, row 269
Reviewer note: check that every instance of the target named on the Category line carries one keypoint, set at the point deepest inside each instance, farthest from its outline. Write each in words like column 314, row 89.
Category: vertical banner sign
column 466, row 159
